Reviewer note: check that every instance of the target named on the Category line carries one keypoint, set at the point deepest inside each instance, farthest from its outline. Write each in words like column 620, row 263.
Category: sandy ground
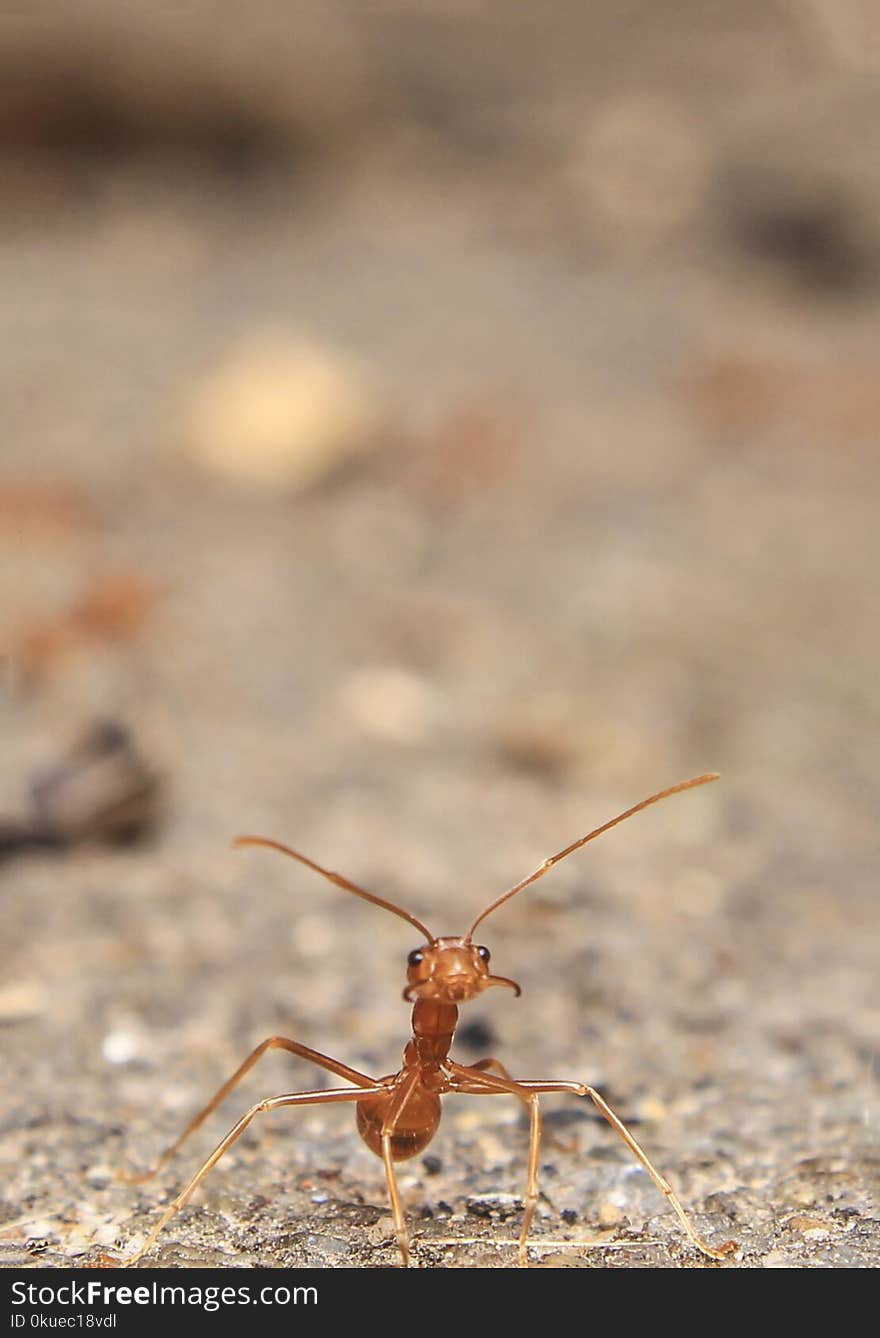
column 611, row 521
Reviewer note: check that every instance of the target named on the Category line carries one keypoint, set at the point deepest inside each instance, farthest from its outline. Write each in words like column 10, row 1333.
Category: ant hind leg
column 478, row 1081
column 580, row 1089
column 659, row 1180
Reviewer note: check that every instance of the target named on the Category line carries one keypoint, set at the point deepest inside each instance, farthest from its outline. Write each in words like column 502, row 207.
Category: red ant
column 398, row 1115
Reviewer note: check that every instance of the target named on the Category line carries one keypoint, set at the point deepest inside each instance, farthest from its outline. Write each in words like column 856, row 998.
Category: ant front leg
column 273, row 1043
column 407, row 1084
column 271, row 1103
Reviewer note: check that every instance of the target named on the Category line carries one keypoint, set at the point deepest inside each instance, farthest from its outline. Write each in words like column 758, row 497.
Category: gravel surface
column 600, row 514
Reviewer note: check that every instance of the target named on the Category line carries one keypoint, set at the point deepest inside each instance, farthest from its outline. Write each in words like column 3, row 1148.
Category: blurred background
column 425, row 434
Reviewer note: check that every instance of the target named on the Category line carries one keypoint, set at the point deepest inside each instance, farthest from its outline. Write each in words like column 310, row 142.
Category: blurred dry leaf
column 471, row 450
column 282, row 413
column 41, row 509
column 735, row 395
column 113, row 608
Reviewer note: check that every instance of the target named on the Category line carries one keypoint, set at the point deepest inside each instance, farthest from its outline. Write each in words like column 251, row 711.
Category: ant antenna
column 576, row 845
column 336, row 878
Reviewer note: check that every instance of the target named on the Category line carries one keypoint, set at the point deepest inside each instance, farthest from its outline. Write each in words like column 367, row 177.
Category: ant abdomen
column 414, row 1127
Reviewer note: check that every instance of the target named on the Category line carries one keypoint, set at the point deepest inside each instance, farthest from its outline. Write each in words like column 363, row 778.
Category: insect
column 398, row 1115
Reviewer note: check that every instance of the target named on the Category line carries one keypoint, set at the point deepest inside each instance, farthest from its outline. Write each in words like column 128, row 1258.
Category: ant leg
column 273, row 1043
column 483, row 1064
column 498, row 1067
column 402, row 1094
column 659, row 1180
column 477, row 1082
column 580, row 1089
column 532, row 1179
column 271, row 1103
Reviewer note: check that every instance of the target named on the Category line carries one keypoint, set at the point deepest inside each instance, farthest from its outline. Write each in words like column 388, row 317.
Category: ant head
column 451, row 971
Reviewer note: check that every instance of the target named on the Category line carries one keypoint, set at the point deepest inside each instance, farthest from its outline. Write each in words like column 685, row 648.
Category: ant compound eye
column 485, row 954
column 415, row 957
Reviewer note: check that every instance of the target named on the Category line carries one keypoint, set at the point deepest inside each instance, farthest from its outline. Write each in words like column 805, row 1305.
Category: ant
column 398, row 1115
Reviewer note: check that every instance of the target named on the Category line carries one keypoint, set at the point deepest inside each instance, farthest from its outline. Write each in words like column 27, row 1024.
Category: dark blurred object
column 113, row 608
column 102, row 791
column 811, row 228
column 477, row 1035
column 115, row 82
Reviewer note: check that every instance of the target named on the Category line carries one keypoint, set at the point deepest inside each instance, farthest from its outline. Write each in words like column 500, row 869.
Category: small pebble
column 281, row 412
column 642, row 169
column 22, row 999
column 121, row 1046
column 390, row 702
column 811, row 1227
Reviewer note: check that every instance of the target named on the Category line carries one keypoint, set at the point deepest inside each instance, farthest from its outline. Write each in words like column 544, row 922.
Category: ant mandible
column 398, row 1115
